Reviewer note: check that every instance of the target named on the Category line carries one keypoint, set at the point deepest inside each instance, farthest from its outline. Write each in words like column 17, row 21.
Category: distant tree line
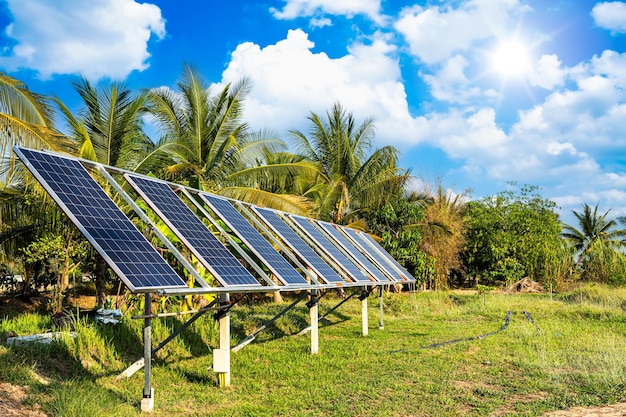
column 331, row 171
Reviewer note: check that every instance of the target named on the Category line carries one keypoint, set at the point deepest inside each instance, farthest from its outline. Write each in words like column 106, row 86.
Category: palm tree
column 593, row 228
column 210, row 147
column 109, row 130
column 25, row 119
column 350, row 180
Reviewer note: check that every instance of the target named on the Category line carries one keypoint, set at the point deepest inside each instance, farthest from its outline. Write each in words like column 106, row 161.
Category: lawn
column 574, row 353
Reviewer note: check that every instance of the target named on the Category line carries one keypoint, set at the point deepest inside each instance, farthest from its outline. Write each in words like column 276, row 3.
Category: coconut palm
column 210, row 147
column 593, row 228
column 351, row 179
column 26, row 120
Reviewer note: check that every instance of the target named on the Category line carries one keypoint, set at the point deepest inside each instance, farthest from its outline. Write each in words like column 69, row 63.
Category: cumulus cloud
column 610, row 15
column 98, row 38
column 289, row 81
column 299, row 8
column 436, row 33
column 548, row 73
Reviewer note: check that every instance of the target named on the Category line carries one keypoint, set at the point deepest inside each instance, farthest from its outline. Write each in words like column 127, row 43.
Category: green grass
column 578, row 358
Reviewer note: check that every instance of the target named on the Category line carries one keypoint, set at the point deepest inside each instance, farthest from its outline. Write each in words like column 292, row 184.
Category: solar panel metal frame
column 259, row 245
column 347, row 245
column 284, row 249
column 365, row 239
column 197, row 244
column 299, row 246
column 30, row 157
column 328, row 246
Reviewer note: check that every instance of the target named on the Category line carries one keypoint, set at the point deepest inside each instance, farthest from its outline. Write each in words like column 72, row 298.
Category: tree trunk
column 100, row 280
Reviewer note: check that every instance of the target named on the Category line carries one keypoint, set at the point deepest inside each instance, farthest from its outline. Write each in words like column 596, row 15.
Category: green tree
column 592, row 227
column 209, row 146
column 392, row 222
column 26, row 120
column 597, row 241
column 512, row 235
column 351, row 180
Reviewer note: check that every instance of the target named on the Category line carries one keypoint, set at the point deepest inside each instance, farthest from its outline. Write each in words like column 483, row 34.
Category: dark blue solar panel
column 294, row 241
column 352, row 250
column 328, row 247
column 254, row 240
column 366, row 239
column 110, row 232
column 192, row 232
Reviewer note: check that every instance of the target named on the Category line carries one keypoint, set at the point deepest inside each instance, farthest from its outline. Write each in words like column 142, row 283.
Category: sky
column 475, row 94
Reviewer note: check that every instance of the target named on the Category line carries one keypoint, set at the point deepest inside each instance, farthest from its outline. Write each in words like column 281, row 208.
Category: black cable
column 530, row 319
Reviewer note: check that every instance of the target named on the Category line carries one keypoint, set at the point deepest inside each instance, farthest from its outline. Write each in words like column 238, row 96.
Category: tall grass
column 575, row 358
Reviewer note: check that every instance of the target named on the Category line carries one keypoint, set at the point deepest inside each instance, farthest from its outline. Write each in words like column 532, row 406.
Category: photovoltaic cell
column 308, row 255
column 254, row 240
column 328, row 247
column 111, row 233
column 192, row 232
column 352, row 250
column 366, row 239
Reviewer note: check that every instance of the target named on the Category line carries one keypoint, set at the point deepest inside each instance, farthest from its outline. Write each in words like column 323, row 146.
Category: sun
column 510, row 58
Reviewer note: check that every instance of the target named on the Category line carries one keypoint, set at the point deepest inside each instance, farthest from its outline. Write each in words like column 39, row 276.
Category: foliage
column 351, row 179
column 512, row 235
column 598, row 244
column 603, row 263
column 442, row 231
column 390, row 222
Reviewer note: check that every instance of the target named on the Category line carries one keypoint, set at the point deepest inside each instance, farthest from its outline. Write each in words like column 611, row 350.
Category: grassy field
column 578, row 357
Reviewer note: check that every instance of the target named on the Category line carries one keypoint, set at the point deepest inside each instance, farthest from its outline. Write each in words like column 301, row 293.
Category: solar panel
column 279, row 266
column 129, row 254
column 349, row 247
column 328, row 247
column 384, row 256
column 192, row 232
column 308, row 255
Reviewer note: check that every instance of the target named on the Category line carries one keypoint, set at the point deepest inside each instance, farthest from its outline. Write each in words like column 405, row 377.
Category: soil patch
column 12, row 404
column 615, row 410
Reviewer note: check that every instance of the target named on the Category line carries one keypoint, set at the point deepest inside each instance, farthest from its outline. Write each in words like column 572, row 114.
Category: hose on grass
column 507, row 320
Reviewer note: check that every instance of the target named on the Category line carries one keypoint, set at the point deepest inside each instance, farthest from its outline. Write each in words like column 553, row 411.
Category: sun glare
column 510, row 58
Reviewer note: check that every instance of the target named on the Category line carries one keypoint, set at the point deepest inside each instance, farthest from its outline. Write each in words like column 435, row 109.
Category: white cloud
column 320, row 22
column 299, row 8
column 435, row 33
column 610, row 15
column 548, row 73
column 289, row 81
column 98, row 38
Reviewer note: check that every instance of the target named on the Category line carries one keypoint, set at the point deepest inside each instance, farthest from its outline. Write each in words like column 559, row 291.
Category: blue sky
column 475, row 93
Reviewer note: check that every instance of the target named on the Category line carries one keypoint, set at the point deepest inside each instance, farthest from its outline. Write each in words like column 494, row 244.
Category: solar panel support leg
column 147, row 402
column 381, row 323
column 364, row 315
column 224, row 323
column 313, row 313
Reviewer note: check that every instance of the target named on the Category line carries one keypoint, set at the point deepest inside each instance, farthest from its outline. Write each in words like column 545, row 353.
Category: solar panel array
column 308, row 255
column 142, row 269
column 254, row 240
column 380, row 254
column 111, row 233
column 192, row 232
column 328, row 247
column 352, row 250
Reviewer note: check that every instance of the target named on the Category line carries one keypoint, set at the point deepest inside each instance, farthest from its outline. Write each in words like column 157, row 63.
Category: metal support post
column 221, row 358
column 381, row 323
column 147, row 402
column 313, row 313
